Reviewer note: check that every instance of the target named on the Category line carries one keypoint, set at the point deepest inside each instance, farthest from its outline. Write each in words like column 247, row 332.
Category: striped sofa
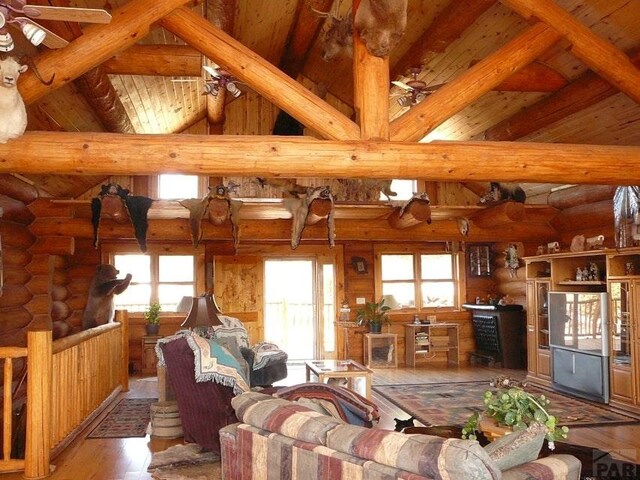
column 280, row 439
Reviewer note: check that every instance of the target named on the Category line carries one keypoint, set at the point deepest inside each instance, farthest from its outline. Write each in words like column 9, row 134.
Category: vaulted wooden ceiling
column 563, row 71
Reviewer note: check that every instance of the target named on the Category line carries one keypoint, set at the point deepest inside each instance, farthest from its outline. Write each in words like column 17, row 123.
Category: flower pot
column 375, row 327
column 152, row 328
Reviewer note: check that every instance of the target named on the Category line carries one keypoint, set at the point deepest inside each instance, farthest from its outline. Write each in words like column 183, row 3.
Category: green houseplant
column 374, row 315
column 152, row 317
column 511, row 406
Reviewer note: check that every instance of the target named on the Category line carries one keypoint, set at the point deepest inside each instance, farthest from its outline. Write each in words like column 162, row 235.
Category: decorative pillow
column 519, row 447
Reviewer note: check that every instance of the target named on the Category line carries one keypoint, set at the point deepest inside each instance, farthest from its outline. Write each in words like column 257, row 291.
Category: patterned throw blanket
column 267, row 353
column 212, row 362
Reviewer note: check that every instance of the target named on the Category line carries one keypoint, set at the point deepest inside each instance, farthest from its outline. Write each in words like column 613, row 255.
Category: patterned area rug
column 129, row 418
column 182, row 462
column 453, row 404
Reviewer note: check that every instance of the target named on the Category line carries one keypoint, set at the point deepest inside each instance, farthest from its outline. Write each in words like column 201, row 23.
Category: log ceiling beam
column 535, row 77
column 97, row 44
column 157, row 60
column 448, row 26
column 586, row 91
column 272, row 156
column 261, row 75
column 599, row 54
column 475, row 82
column 304, row 32
column 95, row 85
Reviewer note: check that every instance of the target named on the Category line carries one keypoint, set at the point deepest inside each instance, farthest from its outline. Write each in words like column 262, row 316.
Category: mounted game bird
column 309, row 209
column 114, row 202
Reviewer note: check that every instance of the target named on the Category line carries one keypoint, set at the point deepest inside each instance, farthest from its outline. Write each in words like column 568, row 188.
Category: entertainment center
column 583, row 333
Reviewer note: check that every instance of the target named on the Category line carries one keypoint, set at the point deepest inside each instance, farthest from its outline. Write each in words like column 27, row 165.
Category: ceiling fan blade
column 70, row 14
column 433, row 88
column 402, row 85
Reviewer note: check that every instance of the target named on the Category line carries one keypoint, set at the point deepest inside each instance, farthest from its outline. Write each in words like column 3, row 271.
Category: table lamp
column 204, row 312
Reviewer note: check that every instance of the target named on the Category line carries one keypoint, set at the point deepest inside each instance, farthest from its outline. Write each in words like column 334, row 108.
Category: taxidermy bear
column 504, row 191
column 100, row 309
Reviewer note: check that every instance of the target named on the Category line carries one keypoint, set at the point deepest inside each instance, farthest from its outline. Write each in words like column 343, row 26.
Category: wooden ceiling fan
column 19, row 15
column 415, row 90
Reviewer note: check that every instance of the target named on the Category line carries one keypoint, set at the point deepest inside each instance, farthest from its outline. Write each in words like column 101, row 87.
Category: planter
column 375, row 328
column 152, row 328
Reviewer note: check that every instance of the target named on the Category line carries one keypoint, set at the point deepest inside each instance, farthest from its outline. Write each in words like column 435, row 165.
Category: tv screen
column 579, row 321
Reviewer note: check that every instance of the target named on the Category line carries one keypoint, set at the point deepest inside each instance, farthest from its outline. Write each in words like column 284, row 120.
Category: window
column 419, row 280
column 403, row 188
column 172, row 186
column 162, row 278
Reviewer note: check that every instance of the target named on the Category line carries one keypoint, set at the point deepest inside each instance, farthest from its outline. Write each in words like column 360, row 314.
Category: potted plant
column 152, row 316
column 373, row 315
column 511, row 407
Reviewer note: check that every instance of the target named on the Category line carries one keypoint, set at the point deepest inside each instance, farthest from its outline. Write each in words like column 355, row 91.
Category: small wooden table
column 149, row 357
column 353, row 372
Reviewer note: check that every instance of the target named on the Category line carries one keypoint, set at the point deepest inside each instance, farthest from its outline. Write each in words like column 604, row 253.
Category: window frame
column 155, row 251
column 417, row 250
column 203, row 186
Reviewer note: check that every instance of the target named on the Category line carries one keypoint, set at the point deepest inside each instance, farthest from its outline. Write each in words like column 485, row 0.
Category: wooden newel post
column 39, row 386
column 122, row 317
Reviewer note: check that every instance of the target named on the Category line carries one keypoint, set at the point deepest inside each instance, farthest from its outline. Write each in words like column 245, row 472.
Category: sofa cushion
column 426, row 455
column 519, row 447
column 282, row 416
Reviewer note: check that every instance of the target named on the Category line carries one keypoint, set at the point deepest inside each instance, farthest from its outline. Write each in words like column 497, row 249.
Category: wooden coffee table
column 358, row 376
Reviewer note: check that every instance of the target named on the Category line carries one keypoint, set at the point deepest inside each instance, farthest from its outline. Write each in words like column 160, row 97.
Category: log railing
column 67, row 381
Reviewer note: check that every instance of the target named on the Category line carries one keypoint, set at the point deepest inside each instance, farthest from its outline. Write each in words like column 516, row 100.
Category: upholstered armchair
column 266, row 363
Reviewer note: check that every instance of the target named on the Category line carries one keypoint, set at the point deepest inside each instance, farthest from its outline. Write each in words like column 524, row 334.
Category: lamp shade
column 204, row 312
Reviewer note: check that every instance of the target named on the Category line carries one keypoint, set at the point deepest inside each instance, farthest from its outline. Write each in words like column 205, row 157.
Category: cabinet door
column 544, row 364
column 622, row 383
column 532, row 350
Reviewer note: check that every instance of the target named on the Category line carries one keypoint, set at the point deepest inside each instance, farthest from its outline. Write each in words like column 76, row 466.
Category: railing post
column 39, row 385
column 122, row 316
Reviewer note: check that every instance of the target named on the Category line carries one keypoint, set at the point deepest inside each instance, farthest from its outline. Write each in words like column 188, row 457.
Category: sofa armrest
column 229, row 452
column 558, row 467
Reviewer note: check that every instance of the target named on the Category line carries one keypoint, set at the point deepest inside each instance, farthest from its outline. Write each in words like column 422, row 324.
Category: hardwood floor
column 128, row 458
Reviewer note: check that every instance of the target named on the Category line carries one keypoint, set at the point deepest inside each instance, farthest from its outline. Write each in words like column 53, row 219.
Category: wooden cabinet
column 434, row 341
column 380, row 350
column 149, row 357
column 617, row 272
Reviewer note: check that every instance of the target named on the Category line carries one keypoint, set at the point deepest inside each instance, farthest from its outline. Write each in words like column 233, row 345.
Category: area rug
column 182, row 462
column 453, row 404
column 129, row 418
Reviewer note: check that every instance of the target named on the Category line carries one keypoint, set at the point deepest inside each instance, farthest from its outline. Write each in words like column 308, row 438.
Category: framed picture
column 479, row 261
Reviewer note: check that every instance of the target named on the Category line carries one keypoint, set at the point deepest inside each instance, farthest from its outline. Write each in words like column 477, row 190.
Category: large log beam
column 587, row 90
column 475, row 82
column 262, row 76
column 599, row 54
column 580, row 195
column 273, row 156
column 98, row 43
column 280, row 230
column 448, row 26
column 156, row 60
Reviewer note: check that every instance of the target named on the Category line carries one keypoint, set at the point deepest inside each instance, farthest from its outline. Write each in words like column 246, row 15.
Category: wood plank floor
column 128, row 458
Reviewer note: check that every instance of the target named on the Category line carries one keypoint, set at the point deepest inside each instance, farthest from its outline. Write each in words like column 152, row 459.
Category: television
column 578, row 337
column 579, row 321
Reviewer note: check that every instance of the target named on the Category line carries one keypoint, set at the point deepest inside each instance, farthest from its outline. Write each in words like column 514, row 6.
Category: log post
column 122, row 317
column 39, row 375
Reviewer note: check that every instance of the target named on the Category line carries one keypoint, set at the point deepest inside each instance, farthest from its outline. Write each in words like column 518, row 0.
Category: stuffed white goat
column 13, row 115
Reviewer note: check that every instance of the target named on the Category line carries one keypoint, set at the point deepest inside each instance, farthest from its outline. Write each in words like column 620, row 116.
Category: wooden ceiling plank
column 98, row 43
column 457, row 16
column 157, row 60
column 262, row 76
column 272, row 156
column 586, row 91
column 535, row 77
column 475, row 82
column 304, row 32
column 599, row 54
